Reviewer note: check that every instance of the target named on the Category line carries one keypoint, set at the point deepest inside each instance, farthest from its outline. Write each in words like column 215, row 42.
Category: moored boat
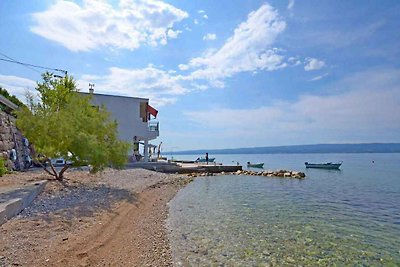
column 204, row 160
column 328, row 165
column 255, row 165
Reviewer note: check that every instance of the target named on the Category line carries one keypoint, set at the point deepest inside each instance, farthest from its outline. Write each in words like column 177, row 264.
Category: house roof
column 8, row 103
column 136, row 98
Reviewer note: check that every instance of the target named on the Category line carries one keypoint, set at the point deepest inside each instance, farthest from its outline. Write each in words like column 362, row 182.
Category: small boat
column 255, row 165
column 328, row 165
column 204, row 160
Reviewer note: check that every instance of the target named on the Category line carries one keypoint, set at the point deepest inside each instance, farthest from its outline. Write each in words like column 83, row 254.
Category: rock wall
column 13, row 147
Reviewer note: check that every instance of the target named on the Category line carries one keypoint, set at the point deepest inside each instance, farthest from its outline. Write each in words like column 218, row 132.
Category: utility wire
column 25, row 66
column 29, row 65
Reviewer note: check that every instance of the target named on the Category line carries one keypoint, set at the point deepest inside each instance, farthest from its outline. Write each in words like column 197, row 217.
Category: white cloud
column 367, row 112
column 290, row 4
column 195, row 21
column 210, row 37
column 317, row 78
column 17, row 85
column 248, row 49
column 294, row 61
column 98, row 24
column 201, row 11
column 183, row 67
column 200, row 87
column 205, row 16
column 159, row 85
column 173, row 34
column 313, row 64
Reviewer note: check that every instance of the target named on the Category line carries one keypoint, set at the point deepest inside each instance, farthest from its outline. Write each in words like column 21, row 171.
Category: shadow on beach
column 77, row 202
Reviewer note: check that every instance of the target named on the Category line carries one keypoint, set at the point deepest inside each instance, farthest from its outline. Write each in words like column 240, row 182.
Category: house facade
column 132, row 114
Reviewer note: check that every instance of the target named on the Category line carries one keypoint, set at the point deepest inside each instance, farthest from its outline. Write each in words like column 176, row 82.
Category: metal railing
column 154, row 126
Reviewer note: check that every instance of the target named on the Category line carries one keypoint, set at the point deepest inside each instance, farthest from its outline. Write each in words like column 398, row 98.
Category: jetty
column 184, row 167
column 194, row 169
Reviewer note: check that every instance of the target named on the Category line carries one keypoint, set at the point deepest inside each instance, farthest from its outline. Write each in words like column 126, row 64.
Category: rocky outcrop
column 277, row 173
column 13, row 147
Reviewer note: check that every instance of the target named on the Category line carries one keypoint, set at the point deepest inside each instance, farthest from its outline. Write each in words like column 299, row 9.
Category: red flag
column 152, row 111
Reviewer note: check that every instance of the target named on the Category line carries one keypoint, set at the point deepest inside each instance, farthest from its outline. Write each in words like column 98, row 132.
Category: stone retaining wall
column 11, row 138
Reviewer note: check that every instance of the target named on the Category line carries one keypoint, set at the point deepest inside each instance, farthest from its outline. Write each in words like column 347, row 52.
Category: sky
column 222, row 74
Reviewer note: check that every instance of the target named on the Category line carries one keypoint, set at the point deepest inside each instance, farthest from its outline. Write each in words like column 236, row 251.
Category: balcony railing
column 154, row 126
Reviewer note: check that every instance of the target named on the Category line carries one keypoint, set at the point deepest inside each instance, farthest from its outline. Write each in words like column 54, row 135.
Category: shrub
column 3, row 169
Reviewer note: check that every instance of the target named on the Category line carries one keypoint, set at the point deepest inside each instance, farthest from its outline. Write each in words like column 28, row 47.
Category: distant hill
column 319, row 148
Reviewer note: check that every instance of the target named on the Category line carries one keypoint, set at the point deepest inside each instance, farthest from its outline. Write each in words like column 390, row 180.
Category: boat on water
column 204, row 160
column 255, row 165
column 328, row 165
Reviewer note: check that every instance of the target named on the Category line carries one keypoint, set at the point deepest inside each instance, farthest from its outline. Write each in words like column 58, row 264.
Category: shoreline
column 113, row 219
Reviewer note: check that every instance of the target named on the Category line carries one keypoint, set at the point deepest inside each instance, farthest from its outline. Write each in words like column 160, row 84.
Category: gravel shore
column 116, row 218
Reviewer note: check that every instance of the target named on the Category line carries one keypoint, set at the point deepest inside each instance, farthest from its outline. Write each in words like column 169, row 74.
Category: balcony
column 154, row 127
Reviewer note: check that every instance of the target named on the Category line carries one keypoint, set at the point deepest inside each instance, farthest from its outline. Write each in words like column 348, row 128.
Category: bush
column 3, row 169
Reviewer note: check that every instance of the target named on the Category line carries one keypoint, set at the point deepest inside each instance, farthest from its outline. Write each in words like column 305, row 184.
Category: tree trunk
column 59, row 176
column 61, row 173
column 46, row 170
column 55, row 173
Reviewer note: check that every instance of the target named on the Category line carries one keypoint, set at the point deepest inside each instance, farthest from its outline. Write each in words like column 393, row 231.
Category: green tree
column 63, row 123
column 12, row 98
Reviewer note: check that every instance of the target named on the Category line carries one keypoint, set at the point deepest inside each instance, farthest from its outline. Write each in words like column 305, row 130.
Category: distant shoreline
column 301, row 149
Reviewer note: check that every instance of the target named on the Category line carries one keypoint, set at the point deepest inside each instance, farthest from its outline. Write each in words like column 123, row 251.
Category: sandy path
column 127, row 232
column 133, row 235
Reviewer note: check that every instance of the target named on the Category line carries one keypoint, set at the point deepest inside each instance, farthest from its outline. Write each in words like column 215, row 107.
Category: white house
column 133, row 117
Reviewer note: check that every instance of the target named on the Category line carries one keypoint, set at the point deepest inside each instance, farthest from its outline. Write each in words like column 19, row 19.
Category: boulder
column 4, row 129
column 9, row 165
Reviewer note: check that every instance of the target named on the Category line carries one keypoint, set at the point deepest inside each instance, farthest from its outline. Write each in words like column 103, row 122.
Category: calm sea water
column 347, row 217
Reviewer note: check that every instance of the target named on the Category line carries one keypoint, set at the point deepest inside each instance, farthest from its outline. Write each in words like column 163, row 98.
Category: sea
column 346, row 217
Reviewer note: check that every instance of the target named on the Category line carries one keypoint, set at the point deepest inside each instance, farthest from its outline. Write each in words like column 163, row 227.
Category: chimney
column 91, row 88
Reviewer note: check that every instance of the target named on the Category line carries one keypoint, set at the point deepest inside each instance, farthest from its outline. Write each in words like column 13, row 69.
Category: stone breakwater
column 268, row 173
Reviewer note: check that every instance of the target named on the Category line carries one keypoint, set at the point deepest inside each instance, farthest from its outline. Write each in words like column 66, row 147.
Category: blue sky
column 223, row 74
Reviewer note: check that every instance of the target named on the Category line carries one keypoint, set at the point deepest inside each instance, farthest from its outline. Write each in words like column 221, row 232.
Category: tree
column 12, row 98
column 63, row 123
